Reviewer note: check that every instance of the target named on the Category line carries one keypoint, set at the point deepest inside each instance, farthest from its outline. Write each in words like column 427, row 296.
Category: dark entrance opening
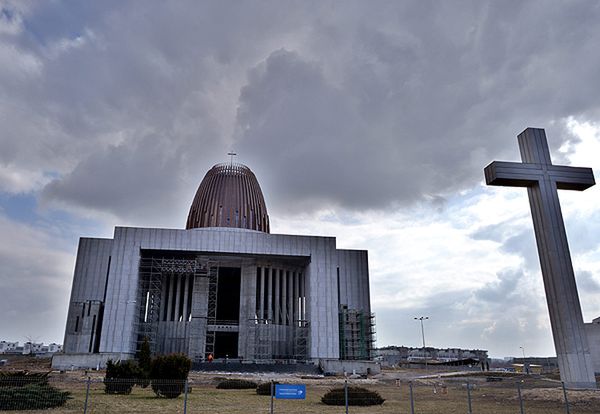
column 226, row 344
column 228, row 295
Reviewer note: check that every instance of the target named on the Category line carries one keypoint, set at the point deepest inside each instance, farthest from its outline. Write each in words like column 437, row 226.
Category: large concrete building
column 223, row 286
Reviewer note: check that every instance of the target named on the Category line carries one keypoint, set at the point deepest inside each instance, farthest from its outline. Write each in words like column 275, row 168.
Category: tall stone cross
column 542, row 180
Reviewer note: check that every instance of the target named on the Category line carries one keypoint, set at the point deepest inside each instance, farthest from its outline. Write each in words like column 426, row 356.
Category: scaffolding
column 301, row 334
column 260, row 338
column 152, row 272
column 357, row 334
column 211, row 314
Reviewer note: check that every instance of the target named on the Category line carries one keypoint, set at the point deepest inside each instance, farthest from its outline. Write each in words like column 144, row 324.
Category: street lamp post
column 421, row 318
column 525, row 367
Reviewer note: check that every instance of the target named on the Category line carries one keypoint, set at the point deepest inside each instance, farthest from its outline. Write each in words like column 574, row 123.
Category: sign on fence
column 290, row 392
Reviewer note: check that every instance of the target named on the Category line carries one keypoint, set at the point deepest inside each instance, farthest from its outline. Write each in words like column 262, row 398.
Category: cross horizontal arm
column 516, row 174
column 572, row 178
column 512, row 174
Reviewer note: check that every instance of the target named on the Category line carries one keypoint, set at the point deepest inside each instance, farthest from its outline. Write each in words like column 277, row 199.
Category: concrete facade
column 592, row 331
column 283, row 279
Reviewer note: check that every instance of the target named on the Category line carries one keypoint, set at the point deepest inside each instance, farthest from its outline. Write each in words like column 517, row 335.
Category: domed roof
column 229, row 196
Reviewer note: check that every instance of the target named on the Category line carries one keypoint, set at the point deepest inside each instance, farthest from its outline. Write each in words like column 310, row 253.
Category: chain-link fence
column 490, row 395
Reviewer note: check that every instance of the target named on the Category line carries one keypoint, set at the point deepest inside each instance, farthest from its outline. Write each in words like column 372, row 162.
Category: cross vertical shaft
column 542, row 180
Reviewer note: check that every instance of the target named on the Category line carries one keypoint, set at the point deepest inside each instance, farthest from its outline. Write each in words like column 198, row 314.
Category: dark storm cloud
column 414, row 100
column 365, row 105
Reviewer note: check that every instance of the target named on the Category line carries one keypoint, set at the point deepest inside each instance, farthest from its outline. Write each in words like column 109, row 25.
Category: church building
column 223, row 288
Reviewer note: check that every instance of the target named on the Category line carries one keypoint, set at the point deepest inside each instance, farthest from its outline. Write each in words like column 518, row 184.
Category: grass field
column 540, row 397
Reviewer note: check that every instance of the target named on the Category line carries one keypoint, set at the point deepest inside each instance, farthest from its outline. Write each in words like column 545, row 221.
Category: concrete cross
column 542, row 180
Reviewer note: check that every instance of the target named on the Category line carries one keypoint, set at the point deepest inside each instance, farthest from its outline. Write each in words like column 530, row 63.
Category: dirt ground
column 432, row 393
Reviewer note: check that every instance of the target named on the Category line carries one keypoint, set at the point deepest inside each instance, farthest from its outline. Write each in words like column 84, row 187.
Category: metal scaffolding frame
column 152, row 271
column 301, row 335
column 211, row 315
column 357, row 334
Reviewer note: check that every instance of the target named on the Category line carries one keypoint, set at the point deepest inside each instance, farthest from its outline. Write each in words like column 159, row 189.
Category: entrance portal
column 226, row 344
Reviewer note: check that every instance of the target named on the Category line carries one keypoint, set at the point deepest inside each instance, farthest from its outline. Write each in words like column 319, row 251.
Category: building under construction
column 224, row 287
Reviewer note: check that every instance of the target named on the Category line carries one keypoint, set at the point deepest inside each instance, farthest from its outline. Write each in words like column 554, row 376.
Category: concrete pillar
column 277, row 309
column 197, row 335
column 163, row 297
column 171, row 294
column 177, row 298
column 261, row 312
column 302, row 297
column 270, row 295
column 284, row 291
column 296, row 295
column 186, row 287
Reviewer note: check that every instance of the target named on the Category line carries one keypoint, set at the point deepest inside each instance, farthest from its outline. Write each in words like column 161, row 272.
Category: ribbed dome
column 229, row 196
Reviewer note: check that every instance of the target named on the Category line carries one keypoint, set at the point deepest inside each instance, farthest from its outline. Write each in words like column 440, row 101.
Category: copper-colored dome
column 229, row 196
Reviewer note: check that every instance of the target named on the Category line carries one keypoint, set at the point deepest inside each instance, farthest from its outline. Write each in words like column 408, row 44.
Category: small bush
column 169, row 373
column 236, row 384
column 120, row 377
column 34, row 396
column 356, row 396
column 265, row 388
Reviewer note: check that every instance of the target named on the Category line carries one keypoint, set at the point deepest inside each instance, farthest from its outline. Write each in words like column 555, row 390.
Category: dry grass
column 540, row 397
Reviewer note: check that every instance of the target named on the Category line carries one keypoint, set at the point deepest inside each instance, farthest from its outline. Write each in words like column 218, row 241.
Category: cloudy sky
column 369, row 121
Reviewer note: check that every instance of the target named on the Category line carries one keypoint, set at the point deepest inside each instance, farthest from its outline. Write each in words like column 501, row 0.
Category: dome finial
column 231, row 154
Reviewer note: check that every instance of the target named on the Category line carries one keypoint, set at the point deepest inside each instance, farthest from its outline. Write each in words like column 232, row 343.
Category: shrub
column 265, row 388
column 120, row 377
column 33, row 396
column 22, row 378
column 236, row 384
column 356, row 396
column 169, row 373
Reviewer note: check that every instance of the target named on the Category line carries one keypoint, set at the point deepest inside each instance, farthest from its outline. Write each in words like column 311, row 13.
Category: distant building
column 396, row 355
column 29, row 348
column 8, row 347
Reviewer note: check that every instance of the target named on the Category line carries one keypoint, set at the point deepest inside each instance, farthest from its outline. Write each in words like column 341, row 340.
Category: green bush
column 356, row 396
column 34, row 396
column 22, row 378
column 169, row 373
column 236, row 384
column 265, row 388
column 120, row 377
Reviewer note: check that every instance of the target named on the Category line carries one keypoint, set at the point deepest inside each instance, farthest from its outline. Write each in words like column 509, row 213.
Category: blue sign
column 290, row 392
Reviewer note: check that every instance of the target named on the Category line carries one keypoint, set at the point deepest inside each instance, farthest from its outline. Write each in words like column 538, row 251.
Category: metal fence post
column 412, row 402
column 185, row 396
column 568, row 411
column 272, row 391
column 87, row 394
column 520, row 398
column 469, row 397
column 346, row 394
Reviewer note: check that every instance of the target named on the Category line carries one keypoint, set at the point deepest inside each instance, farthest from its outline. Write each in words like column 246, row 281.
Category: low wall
column 86, row 361
column 336, row 366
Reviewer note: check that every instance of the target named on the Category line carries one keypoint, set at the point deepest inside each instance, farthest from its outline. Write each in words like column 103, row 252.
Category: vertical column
column 290, row 296
column 277, row 309
column 270, row 295
column 284, row 290
column 177, row 298
column 171, row 293
column 163, row 297
column 261, row 311
column 184, row 316
column 302, row 298
column 296, row 295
